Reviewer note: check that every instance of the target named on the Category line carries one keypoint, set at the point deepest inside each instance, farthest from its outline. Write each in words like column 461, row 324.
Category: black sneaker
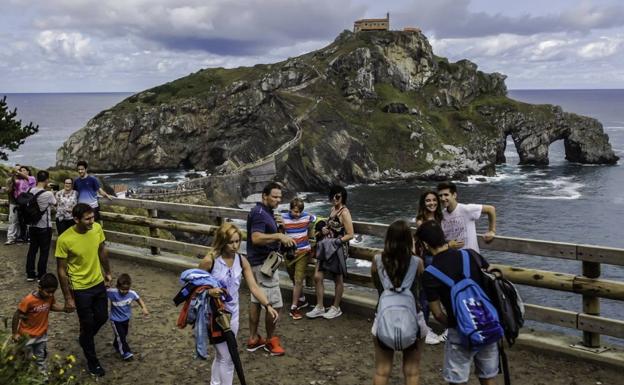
column 96, row 370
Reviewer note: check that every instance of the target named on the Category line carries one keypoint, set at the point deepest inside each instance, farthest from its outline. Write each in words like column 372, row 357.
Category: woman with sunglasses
column 339, row 227
column 66, row 200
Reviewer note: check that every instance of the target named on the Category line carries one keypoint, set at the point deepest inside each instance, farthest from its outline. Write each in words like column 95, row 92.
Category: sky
column 132, row 45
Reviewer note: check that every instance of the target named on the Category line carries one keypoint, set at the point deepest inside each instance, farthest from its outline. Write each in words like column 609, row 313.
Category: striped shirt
column 297, row 229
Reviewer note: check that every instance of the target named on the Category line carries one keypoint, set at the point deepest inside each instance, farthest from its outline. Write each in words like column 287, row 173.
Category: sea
column 562, row 202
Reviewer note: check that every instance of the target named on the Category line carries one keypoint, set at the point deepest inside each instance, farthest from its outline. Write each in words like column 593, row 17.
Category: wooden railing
column 587, row 283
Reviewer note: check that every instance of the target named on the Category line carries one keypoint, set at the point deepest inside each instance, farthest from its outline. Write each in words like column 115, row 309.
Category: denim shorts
column 457, row 360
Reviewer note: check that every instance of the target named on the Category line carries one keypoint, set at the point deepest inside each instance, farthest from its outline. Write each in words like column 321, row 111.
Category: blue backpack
column 477, row 320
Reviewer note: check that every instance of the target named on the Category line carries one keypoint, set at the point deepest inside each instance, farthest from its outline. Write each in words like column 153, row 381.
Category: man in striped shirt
column 296, row 225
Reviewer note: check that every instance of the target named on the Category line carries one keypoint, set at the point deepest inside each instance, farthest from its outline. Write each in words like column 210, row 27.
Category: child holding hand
column 31, row 319
column 121, row 298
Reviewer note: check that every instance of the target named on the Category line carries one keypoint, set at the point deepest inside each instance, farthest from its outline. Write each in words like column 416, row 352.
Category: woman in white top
column 66, row 199
column 226, row 265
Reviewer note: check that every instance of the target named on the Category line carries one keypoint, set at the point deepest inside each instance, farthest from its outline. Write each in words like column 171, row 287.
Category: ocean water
column 560, row 202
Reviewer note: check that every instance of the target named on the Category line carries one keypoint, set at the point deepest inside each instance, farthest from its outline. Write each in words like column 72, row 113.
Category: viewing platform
column 319, row 351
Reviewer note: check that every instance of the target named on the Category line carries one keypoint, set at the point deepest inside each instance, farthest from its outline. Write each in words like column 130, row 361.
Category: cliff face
column 368, row 106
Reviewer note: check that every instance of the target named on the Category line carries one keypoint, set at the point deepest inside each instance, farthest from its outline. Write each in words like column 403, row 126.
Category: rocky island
column 370, row 106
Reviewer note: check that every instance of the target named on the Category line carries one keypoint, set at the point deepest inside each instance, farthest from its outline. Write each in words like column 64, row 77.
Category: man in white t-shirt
column 459, row 219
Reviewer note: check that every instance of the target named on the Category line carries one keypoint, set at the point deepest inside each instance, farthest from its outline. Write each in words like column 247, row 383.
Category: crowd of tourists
column 417, row 271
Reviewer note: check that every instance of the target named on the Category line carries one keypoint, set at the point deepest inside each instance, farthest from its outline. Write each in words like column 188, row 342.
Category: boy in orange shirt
column 31, row 319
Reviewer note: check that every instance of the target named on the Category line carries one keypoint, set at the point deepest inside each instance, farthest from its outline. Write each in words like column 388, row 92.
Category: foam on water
column 563, row 188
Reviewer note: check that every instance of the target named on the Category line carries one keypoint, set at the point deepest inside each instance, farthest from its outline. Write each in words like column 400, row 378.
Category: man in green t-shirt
column 84, row 274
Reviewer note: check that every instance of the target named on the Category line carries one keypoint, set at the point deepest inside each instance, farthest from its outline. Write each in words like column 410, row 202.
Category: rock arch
column 584, row 139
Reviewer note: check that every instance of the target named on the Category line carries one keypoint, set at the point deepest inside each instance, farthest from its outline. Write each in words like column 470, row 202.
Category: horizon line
column 134, row 92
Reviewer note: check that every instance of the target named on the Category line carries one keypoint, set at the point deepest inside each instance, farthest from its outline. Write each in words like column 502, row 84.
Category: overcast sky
column 131, row 45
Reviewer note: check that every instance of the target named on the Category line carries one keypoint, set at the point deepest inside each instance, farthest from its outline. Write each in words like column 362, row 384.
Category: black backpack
column 508, row 303
column 28, row 208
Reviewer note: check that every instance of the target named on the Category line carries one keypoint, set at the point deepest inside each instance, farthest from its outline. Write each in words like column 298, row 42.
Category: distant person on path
column 339, row 229
column 84, row 274
column 121, row 298
column 88, row 187
column 23, row 182
column 13, row 232
column 397, row 259
column 297, row 225
column 66, row 199
column 41, row 231
column 263, row 239
column 228, row 266
column 429, row 209
column 31, row 319
column 457, row 358
column 459, row 221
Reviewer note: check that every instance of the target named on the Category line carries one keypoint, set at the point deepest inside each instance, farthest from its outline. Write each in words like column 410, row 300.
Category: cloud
column 224, row 27
column 600, row 49
column 59, row 45
column 454, row 19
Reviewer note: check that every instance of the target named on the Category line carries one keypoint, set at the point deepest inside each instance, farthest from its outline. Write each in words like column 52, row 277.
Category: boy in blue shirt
column 121, row 299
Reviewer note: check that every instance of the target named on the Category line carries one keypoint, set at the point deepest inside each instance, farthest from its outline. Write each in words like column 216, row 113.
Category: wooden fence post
column 591, row 304
column 153, row 231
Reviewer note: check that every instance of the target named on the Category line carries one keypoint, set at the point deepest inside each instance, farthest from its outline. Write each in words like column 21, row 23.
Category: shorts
column 297, row 267
column 457, row 360
column 270, row 286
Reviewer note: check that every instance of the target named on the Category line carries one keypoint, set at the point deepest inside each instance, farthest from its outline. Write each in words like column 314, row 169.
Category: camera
column 289, row 252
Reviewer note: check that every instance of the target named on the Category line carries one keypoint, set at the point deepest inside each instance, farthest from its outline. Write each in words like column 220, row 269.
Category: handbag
column 271, row 264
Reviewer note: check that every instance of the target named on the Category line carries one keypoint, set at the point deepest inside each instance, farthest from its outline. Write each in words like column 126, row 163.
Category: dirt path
column 318, row 351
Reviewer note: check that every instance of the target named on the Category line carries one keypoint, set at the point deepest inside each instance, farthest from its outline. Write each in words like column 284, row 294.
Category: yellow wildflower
column 71, row 358
column 61, row 371
column 11, row 358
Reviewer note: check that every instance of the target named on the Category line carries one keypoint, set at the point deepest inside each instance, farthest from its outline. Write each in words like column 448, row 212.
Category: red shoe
column 274, row 347
column 295, row 314
column 255, row 344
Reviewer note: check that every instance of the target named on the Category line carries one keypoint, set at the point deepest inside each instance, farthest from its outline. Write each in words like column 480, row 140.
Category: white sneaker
column 316, row 312
column 444, row 336
column 432, row 338
column 333, row 312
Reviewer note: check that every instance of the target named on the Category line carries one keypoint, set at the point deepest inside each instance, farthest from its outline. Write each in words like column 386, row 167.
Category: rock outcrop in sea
column 368, row 107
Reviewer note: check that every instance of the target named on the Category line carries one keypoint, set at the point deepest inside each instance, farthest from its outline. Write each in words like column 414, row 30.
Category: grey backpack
column 397, row 317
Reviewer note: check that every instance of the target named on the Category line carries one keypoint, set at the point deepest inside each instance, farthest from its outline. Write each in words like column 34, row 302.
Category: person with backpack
column 455, row 281
column 36, row 211
column 398, row 321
